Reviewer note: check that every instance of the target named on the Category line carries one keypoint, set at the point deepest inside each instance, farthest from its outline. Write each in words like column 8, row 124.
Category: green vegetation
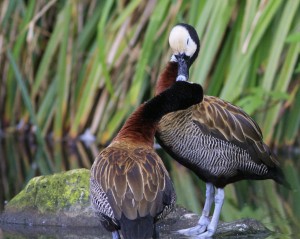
column 67, row 66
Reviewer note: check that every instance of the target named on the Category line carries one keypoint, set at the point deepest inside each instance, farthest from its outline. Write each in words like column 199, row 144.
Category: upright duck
column 130, row 187
column 218, row 141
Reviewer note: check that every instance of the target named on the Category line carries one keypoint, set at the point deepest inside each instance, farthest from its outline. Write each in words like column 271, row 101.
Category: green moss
column 58, row 192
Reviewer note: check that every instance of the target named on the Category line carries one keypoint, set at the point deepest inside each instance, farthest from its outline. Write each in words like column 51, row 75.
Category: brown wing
column 228, row 122
column 134, row 180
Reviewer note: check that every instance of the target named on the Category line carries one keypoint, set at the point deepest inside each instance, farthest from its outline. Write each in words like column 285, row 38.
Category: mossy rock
column 58, row 199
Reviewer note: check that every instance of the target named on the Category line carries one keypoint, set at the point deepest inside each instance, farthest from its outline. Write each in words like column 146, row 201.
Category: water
column 21, row 159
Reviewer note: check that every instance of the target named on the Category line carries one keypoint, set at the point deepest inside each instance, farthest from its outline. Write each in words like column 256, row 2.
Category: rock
column 62, row 200
column 180, row 218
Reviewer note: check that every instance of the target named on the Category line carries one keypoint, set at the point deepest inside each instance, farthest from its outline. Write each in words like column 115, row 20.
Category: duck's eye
column 187, row 41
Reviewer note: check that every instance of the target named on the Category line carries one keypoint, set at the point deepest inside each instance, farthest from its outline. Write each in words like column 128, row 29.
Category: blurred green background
column 80, row 67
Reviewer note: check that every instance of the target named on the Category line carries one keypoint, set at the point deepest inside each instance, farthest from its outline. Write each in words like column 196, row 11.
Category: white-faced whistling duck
column 130, row 187
column 218, row 141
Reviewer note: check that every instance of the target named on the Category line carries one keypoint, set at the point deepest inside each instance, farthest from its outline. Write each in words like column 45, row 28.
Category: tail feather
column 140, row 228
column 279, row 177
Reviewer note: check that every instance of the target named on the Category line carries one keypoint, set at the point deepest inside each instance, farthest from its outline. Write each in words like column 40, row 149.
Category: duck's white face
column 181, row 42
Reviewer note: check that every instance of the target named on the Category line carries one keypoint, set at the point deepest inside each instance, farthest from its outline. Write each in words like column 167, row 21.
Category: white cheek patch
column 181, row 42
column 177, row 39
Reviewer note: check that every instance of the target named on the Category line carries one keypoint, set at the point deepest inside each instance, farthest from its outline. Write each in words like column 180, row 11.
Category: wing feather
column 133, row 180
column 228, row 122
column 136, row 182
column 120, row 185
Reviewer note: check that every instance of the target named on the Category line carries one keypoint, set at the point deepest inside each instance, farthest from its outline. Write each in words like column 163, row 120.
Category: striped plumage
column 227, row 141
column 129, row 184
column 215, row 139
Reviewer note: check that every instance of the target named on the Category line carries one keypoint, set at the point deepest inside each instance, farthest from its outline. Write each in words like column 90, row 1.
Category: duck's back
column 218, row 141
column 131, row 190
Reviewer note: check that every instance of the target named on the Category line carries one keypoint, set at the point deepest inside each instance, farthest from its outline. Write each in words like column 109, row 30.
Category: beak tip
column 181, row 78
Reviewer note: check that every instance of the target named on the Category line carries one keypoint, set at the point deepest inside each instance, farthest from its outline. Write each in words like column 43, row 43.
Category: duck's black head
column 185, row 45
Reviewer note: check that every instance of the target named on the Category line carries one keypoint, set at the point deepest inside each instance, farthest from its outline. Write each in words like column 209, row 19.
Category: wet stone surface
column 57, row 206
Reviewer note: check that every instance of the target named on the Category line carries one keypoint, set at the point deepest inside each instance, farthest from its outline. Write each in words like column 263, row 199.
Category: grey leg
column 212, row 227
column 115, row 235
column 204, row 219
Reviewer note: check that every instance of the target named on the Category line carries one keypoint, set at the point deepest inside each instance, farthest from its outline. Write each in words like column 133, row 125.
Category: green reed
column 87, row 65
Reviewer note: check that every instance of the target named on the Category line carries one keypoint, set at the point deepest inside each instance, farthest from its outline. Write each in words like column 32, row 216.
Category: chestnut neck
column 167, row 77
column 137, row 129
